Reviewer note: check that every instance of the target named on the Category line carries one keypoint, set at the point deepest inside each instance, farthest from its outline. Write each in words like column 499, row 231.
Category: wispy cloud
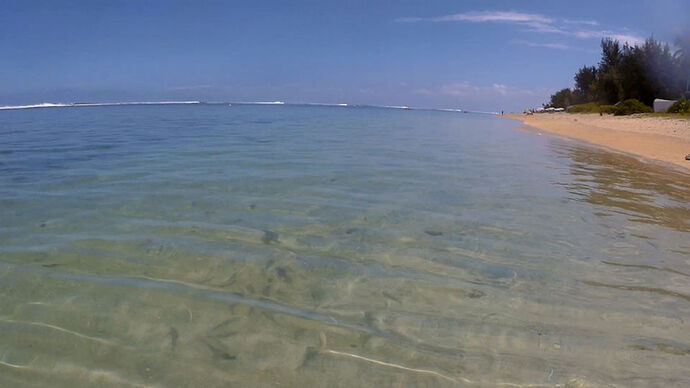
column 557, row 46
column 584, row 22
column 501, row 89
column 553, row 45
column 483, row 17
column 581, row 29
column 621, row 37
column 465, row 89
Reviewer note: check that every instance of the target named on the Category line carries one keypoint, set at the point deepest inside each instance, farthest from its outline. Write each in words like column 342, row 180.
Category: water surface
column 322, row 246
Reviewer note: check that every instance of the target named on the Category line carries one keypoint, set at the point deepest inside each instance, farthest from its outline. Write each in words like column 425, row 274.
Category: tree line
column 643, row 72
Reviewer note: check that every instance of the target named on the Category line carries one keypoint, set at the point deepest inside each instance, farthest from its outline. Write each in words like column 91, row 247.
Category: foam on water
column 264, row 103
column 86, row 104
column 43, row 105
column 137, row 103
column 323, row 104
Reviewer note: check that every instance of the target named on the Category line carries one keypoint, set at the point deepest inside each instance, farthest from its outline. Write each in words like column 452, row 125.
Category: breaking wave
column 80, row 104
column 43, row 105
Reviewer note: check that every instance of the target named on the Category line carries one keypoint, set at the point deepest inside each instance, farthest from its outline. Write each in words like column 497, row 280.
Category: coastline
column 665, row 139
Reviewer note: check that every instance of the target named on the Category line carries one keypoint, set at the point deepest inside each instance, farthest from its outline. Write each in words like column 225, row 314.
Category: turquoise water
column 212, row 246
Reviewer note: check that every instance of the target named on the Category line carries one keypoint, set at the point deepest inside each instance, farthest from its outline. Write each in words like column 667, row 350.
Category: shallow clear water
column 318, row 246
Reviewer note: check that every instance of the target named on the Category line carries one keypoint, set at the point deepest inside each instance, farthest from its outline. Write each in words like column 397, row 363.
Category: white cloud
column 553, row 45
column 630, row 39
column 465, row 89
column 501, row 89
column 621, row 37
column 456, row 89
column 495, row 96
column 557, row 46
column 545, row 28
column 409, row 20
column 535, row 23
column 585, row 22
column 483, row 17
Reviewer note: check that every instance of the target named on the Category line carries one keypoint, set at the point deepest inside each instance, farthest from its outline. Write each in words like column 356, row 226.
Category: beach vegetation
column 610, row 109
column 561, row 99
column 589, row 107
column 631, row 106
column 584, row 79
column 640, row 72
column 592, row 107
column 680, row 106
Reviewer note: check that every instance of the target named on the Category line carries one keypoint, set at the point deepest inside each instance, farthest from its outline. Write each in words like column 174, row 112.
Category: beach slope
column 665, row 139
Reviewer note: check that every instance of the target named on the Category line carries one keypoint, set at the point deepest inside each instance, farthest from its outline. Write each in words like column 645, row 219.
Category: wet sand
column 664, row 139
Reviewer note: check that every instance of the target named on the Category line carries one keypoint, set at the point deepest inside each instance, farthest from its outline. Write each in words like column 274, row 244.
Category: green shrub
column 590, row 107
column 631, row 106
column 680, row 106
column 607, row 108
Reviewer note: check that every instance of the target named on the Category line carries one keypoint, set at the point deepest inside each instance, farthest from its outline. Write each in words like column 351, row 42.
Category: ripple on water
column 206, row 246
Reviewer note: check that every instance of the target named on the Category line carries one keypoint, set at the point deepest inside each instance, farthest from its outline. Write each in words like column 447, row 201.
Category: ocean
column 290, row 245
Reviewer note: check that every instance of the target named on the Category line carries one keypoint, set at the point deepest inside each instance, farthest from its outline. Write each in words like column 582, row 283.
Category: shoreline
column 661, row 139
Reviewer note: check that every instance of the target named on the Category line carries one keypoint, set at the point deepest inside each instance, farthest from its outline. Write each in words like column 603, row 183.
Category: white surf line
column 7, row 364
column 261, row 102
column 89, row 104
column 32, row 106
column 58, row 328
column 431, row 372
column 397, row 366
column 79, row 104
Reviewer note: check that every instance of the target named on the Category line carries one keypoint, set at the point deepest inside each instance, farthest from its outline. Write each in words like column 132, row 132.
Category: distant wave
column 465, row 111
column 78, row 104
column 481, row 112
column 136, row 103
column 43, row 105
column 86, row 104
column 323, row 104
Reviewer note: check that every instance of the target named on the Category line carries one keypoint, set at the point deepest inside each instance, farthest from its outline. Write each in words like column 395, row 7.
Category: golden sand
column 665, row 139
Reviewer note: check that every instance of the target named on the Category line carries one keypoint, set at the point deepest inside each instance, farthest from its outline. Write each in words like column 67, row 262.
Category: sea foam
column 82, row 104
column 43, row 105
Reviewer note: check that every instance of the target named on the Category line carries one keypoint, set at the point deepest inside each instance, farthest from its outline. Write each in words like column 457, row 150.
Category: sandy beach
column 663, row 139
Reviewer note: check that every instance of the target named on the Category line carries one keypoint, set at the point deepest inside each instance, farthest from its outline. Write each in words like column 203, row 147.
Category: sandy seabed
column 665, row 139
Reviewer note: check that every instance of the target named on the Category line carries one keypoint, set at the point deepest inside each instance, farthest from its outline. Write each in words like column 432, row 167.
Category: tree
column 633, row 77
column 607, row 87
column 682, row 56
column 643, row 72
column 662, row 70
column 610, row 55
column 561, row 99
column 584, row 78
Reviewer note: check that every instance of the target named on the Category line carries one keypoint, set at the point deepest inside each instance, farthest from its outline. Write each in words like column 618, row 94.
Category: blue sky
column 464, row 54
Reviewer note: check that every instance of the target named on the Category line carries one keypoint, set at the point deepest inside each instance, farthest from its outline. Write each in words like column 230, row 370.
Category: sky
column 478, row 55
